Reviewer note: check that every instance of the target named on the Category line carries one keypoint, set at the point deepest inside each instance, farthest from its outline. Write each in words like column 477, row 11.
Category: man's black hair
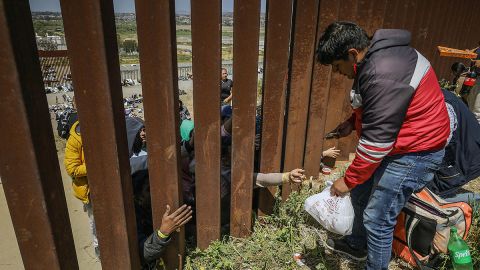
column 137, row 144
column 338, row 38
column 458, row 68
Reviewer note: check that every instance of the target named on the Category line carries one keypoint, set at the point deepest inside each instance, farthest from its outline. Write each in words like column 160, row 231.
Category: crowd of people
column 152, row 241
column 466, row 85
column 411, row 134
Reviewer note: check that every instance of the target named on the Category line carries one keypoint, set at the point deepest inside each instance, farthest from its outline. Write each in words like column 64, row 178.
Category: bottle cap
column 453, row 229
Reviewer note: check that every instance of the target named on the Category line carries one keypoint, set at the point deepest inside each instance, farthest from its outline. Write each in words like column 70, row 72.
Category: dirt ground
column 10, row 258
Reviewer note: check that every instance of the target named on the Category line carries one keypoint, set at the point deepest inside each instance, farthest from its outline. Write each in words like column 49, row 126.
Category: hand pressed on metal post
column 339, row 188
column 172, row 222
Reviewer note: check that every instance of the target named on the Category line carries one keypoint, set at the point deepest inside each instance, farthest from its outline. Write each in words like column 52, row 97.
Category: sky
column 128, row 6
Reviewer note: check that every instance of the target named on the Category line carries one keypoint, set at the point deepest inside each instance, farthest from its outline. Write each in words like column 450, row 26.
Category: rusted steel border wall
column 302, row 100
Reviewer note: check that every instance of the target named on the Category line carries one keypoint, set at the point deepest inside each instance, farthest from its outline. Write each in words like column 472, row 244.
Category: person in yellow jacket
column 75, row 165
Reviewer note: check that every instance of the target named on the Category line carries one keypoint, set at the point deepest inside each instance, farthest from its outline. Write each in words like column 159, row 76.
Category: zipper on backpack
column 427, row 207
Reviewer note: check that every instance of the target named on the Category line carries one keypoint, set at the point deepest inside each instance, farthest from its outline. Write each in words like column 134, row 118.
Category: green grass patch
column 227, row 34
column 274, row 240
column 289, row 230
column 52, row 27
column 473, row 241
column 184, row 32
column 129, row 59
column 473, row 238
column 272, row 244
column 182, row 58
column 126, row 27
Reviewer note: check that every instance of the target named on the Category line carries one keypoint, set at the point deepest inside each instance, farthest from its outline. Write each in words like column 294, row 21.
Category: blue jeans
column 378, row 202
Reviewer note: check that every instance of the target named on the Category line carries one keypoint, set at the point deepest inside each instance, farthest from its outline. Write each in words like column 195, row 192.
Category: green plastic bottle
column 459, row 252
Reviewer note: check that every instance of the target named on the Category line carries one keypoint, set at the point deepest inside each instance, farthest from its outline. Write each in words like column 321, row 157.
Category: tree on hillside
column 46, row 45
column 130, row 45
column 119, row 42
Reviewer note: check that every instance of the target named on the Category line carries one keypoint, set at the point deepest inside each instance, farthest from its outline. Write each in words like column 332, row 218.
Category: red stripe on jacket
column 426, row 128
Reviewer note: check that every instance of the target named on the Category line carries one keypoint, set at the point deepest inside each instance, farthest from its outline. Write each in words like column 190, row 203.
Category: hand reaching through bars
column 331, row 152
column 297, row 175
column 172, row 222
column 342, row 130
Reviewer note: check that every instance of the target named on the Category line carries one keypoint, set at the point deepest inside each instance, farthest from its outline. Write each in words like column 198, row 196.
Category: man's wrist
column 285, row 177
column 162, row 235
column 349, row 183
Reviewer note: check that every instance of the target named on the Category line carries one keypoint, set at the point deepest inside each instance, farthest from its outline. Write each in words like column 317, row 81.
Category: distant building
column 59, row 41
column 56, row 39
column 183, row 19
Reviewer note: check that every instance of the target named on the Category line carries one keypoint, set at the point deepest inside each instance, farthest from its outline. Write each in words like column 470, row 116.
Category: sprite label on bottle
column 462, row 257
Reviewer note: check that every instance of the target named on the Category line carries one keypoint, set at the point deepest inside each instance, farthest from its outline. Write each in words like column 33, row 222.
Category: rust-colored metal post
column 91, row 39
column 275, row 77
column 158, row 61
column 319, row 96
column 303, row 48
column 28, row 160
column 246, row 27
column 206, row 38
column 58, row 53
column 343, row 102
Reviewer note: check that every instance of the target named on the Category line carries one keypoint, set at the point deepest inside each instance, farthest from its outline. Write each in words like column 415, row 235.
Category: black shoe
column 341, row 246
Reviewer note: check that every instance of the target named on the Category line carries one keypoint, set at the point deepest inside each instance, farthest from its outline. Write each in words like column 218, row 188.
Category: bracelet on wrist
column 286, row 177
column 161, row 235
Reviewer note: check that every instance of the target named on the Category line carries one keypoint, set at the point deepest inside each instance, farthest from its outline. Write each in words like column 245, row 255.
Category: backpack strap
column 420, row 264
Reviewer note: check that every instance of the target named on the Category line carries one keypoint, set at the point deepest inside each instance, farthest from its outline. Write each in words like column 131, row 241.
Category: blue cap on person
column 226, row 111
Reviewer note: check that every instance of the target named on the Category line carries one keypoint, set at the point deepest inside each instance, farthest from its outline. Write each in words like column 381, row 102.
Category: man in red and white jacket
column 403, row 126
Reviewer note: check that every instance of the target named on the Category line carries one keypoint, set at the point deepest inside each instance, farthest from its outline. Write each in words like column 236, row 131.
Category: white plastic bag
column 334, row 213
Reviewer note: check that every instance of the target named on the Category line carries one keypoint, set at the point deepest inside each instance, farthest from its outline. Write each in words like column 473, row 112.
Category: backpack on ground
column 423, row 228
column 65, row 121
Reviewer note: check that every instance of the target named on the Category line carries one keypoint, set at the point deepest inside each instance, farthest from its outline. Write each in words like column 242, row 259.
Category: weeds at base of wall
column 473, row 240
column 274, row 240
column 291, row 230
